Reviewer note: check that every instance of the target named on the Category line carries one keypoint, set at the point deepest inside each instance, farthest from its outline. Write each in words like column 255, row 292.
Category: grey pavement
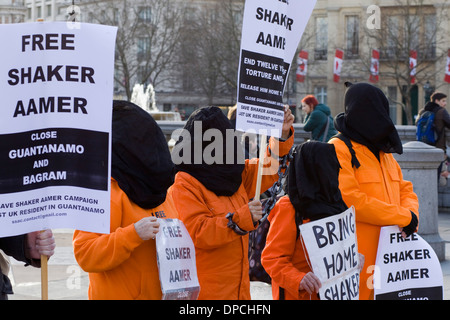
column 67, row 281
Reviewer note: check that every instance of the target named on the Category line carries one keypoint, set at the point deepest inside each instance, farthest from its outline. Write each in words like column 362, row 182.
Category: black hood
column 141, row 161
column 366, row 119
column 432, row 106
column 313, row 181
column 224, row 175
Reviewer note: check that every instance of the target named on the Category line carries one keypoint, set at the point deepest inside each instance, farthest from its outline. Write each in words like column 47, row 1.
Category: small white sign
column 406, row 269
column 176, row 261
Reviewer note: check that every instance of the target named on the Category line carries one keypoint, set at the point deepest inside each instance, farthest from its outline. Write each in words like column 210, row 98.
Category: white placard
column 176, row 261
column 406, row 269
column 55, row 126
column 271, row 32
column 333, row 253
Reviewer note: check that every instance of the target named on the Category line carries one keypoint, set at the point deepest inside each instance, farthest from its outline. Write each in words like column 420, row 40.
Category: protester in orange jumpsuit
column 313, row 194
column 213, row 201
column 122, row 264
column 372, row 180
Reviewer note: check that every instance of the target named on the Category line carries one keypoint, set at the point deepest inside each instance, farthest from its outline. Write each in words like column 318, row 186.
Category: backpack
column 426, row 131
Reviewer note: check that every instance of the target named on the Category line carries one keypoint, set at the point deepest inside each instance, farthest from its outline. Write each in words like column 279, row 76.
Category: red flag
column 412, row 65
column 338, row 64
column 374, row 66
column 302, row 69
column 447, row 69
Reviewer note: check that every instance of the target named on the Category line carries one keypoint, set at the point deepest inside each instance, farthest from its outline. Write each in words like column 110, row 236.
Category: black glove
column 412, row 226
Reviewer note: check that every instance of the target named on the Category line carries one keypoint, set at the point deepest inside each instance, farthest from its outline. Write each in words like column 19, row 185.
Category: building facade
column 394, row 28
column 203, row 66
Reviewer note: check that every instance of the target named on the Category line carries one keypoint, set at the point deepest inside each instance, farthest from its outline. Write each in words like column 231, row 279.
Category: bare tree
column 148, row 35
column 210, row 49
column 410, row 25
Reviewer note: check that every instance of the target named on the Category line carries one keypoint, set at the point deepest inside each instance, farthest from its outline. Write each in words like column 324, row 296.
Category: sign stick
column 262, row 152
column 44, row 277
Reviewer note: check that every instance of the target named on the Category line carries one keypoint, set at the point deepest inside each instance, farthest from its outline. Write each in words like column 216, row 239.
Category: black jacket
column 13, row 247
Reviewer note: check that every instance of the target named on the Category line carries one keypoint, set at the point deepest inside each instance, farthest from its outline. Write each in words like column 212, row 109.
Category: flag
column 338, row 64
column 412, row 65
column 302, row 69
column 374, row 66
column 447, row 69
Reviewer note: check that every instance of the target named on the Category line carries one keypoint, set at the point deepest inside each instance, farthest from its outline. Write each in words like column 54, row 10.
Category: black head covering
column 366, row 119
column 222, row 177
column 141, row 161
column 313, row 182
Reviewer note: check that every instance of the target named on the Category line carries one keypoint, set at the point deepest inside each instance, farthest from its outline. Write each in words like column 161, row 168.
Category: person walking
column 437, row 104
column 318, row 119
column 122, row 264
column 370, row 179
column 214, row 201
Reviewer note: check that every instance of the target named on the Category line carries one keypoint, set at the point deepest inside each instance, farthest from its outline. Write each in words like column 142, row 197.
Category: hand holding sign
column 310, row 283
column 255, row 208
column 147, row 228
column 287, row 123
column 40, row 243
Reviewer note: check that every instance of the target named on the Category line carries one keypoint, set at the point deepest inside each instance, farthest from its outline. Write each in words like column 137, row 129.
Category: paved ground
column 68, row 282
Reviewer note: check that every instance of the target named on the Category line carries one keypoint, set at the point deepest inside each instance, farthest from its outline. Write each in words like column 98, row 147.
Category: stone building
column 357, row 27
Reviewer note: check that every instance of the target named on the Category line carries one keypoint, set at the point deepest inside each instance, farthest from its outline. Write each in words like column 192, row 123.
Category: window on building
column 392, row 97
column 320, row 92
column 143, row 48
column 430, row 29
column 352, row 37
column 411, row 29
column 321, row 49
column 145, row 14
column 392, row 38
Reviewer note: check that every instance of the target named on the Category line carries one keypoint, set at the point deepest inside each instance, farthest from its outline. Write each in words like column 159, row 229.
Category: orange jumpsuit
column 221, row 254
column 121, row 265
column 381, row 198
column 283, row 257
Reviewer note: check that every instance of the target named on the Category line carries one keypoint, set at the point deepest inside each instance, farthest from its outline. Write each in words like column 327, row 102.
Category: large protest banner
column 406, row 269
column 271, row 32
column 176, row 261
column 333, row 253
column 55, row 126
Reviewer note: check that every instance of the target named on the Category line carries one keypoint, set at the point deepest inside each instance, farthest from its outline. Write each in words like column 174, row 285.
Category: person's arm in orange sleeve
column 207, row 226
column 96, row 252
column 368, row 209
column 277, row 255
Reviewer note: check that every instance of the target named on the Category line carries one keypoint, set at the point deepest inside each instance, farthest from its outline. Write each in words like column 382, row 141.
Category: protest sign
column 406, row 269
column 55, row 126
column 271, row 32
column 333, row 253
column 176, row 261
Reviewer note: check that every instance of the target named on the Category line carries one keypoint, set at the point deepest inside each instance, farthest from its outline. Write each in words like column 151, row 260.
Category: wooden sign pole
column 262, row 153
column 44, row 276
